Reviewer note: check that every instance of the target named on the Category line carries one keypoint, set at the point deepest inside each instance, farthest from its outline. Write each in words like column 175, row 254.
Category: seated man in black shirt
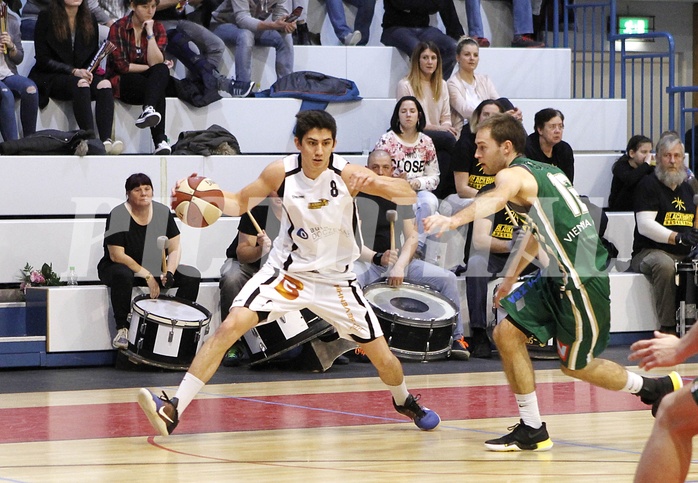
column 492, row 242
column 132, row 255
column 244, row 258
column 665, row 221
column 248, row 249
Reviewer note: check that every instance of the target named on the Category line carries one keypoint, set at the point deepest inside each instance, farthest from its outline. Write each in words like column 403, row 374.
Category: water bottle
column 72, row 276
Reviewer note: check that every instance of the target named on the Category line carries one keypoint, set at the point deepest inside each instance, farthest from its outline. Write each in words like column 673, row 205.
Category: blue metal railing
column 650, row 75
column 587, row 37
column 686, row 111
column 646, row 79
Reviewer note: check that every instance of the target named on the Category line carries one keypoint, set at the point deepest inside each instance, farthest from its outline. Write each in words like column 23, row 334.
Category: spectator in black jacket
column 66, row 41
column 406, row 24
column 545, row 144
column 628, row 171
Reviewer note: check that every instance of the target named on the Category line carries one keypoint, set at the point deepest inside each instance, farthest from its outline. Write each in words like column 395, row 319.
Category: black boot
column 480, row 344
column 302, row 34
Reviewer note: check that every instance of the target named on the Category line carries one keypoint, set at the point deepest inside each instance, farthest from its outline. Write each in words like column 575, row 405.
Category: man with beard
column 664, row 226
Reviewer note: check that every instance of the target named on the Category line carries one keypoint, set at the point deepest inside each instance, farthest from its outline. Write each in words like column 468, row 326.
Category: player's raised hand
column 661, row 351
column 437, row 224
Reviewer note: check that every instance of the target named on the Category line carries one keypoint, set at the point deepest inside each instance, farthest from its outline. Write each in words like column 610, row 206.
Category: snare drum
column 416, row 321
column 272, row 339
column 166, row 331
column 686, row 294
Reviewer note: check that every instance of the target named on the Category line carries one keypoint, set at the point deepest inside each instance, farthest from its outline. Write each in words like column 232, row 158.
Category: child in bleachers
column 628, row 171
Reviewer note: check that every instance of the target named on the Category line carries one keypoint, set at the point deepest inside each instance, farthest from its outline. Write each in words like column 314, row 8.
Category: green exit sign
column 635, row 25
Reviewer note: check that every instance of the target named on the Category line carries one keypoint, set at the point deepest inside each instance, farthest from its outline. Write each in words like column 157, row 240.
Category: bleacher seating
column 56, row 213
column 532, row 90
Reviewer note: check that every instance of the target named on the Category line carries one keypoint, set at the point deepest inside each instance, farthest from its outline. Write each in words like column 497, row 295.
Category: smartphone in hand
column 294, row 15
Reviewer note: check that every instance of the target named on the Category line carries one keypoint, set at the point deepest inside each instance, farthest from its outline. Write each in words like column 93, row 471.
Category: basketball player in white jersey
column 309, row 266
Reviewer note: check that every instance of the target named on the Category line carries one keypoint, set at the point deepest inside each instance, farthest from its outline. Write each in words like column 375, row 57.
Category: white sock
column 187, row 390
column 634, row 383
column 400, row 393
column 528, row 409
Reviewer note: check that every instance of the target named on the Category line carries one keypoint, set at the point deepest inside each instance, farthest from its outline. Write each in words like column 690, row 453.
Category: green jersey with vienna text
column 561, row 223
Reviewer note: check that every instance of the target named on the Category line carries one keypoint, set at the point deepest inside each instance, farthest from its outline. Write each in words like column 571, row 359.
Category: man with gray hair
column 665, row 226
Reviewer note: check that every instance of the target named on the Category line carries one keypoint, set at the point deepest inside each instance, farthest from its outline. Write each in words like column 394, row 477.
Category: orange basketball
column 198, row 202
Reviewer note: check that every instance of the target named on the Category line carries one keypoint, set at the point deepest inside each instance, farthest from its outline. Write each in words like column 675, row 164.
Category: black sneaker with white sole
column 240, row 88
column 148, row 118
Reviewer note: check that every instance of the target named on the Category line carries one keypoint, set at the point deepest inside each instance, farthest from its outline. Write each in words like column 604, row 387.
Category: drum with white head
column 166, row 331
column 416, row 320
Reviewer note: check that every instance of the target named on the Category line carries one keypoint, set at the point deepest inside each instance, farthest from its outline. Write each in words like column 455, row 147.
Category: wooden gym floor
column 281, row 425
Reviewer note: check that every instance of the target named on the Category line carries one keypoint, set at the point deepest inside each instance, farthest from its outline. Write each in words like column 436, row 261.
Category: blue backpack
column 315, row 89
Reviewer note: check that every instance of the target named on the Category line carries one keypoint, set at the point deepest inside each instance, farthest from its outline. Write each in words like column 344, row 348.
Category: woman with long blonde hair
column 467, row 89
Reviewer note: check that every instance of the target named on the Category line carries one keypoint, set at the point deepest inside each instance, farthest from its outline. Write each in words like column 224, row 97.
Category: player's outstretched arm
column 360, row 178
column 507, row 187
column 251, row 195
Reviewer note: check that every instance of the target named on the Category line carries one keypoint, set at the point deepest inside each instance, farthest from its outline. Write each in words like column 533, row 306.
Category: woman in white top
column 414, row 157
column 425, row 82
column 466, row 89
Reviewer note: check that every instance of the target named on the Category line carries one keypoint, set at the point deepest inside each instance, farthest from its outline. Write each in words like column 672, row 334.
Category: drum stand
column 685, row 311
column 687, row 293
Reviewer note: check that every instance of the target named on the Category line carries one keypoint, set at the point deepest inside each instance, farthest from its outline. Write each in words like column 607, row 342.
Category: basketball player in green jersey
column 568, row 300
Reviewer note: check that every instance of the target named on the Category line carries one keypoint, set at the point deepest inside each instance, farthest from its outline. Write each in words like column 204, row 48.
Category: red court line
column 225, row 414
